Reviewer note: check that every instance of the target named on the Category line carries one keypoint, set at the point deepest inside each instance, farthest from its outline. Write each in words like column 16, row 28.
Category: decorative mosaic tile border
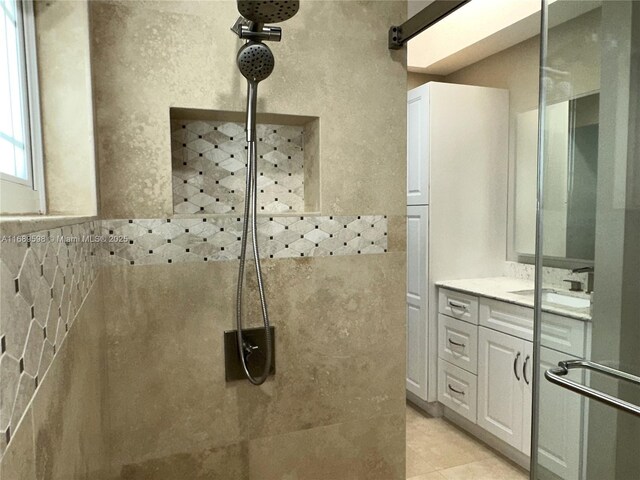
column 44, row 278
column 209, row 167
column 180, row 240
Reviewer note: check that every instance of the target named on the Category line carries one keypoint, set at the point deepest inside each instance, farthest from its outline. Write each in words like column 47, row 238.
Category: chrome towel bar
column 557, row 375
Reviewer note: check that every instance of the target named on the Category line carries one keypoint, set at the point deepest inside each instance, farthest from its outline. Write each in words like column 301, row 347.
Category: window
column 21, row 183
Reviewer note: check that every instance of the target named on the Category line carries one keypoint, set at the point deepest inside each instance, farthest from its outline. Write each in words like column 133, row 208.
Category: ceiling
column 479, row 29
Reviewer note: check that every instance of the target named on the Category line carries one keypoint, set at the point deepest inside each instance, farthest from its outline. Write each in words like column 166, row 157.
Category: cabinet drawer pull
column 457, row 305
column 524, row 370
column 515, row 366
column 462, row 345
column 459, row 392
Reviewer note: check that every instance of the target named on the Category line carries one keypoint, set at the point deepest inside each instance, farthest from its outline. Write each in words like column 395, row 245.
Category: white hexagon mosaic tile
column 44, row 278
column 209, row 166
column 179, row 240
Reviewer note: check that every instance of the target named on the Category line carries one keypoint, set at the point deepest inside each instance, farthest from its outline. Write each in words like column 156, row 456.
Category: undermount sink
column 565, row 300
column 560, row 299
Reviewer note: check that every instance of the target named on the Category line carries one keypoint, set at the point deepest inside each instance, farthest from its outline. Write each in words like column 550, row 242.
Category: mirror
column 570, row 180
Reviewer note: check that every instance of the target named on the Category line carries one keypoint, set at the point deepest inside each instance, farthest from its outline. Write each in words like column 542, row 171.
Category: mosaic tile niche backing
column 179, row 240
column 209, row 163
column 43, row 284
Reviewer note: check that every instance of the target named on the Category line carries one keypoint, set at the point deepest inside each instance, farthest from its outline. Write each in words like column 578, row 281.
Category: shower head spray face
column 268, row 11
column 255, row 61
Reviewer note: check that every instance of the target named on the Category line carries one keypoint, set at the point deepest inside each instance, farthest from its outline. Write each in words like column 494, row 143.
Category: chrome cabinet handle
column 524, row 370
column 515, row 366
column 460, row 306
column 557, row 375
column 457, row 344
column 457, row 307
column 459, row 392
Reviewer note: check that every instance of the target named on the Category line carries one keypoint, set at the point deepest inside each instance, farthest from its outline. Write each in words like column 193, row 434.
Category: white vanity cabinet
column 502, row 396
column 491, row 362
column 505, row 393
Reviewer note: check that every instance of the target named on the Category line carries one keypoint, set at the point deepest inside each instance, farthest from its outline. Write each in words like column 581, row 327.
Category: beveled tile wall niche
column 45, row 276
column 215, row 238
column 209, row 166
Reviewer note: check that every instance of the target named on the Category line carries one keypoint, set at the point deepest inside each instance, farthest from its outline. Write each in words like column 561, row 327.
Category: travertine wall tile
column 44, row 278
column 362, row 449
column 69, row 409
column 19, row 460
column 338, row 322
column 66, row 106
column 151, row 56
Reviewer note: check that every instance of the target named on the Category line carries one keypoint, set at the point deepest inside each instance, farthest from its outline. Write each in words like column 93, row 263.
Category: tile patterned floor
column 436, row 450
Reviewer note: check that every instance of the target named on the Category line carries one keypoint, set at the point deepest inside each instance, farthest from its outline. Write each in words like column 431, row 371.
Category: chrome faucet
column 590, row 277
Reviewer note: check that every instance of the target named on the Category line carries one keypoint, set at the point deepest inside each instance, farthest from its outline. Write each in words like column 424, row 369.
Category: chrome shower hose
column 250, row 204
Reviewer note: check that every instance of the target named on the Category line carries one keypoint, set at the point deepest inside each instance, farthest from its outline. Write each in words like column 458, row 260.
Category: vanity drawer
column 458, row 305
column 507, row 318
column 458, row 343
column 563, row 334
column 457, row 389
column 559, row 333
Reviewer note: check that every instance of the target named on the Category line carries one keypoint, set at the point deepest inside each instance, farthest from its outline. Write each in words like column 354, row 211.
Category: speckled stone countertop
column 503, row 288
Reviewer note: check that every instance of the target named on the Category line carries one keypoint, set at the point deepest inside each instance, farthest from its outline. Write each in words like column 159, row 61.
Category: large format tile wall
column 335, row 409
column 208, row 165
column 47, row 274
column 45, row 277
column 64, row 430
column 334, row 320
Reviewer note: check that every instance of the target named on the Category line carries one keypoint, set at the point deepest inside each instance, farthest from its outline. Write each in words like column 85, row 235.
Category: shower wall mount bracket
column 248, row 30
column 254, row 339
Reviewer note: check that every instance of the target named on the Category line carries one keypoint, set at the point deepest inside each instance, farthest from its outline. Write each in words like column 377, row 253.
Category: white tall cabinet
column 457, row 151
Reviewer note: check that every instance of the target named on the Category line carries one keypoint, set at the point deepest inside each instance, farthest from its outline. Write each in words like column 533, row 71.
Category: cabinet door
column 417, row 300
column 500, row 385
column 560, row 445
column 527, row 401
column 418, row 146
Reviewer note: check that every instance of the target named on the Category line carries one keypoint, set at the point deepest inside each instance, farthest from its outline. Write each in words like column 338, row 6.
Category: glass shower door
column 586, row 414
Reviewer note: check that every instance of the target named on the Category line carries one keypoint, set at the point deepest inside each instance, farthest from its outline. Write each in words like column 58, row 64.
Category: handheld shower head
column 268, row 11
column 255, row 61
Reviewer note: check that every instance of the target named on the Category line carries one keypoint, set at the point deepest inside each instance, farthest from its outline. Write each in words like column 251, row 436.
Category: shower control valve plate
column 255, row 337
